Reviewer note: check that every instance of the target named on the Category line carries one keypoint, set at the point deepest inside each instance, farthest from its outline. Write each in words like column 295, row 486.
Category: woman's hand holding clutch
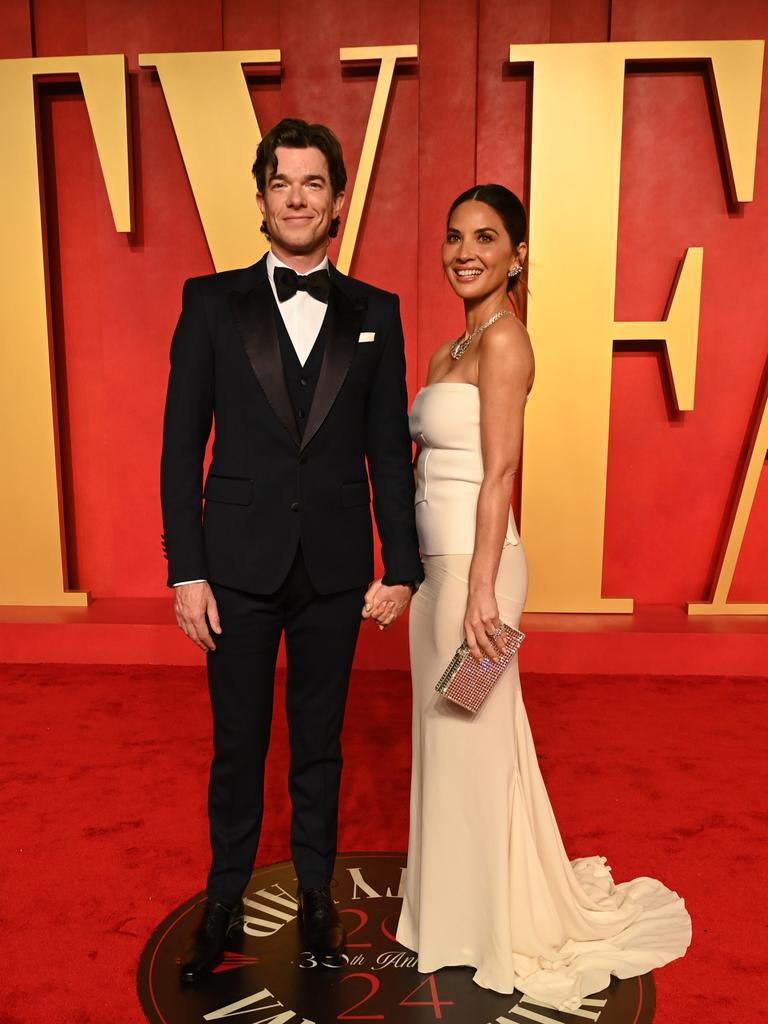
column 481, row 622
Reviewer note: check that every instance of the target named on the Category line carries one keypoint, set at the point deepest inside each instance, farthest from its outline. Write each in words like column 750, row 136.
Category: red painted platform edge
column 657, row 640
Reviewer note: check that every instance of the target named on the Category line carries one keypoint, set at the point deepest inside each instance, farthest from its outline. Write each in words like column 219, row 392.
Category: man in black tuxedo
column 303, row 370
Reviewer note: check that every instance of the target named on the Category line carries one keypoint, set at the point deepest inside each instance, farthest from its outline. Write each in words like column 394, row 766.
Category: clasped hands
column 383, row 604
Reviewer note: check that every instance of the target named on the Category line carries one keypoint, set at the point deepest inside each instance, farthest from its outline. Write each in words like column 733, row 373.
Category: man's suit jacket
column 268, row 488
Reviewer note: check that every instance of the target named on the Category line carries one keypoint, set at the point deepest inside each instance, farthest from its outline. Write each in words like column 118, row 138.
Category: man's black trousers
column 320, row 636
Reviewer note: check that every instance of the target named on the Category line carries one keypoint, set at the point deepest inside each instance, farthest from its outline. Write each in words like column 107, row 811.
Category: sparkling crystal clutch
column 468, row 682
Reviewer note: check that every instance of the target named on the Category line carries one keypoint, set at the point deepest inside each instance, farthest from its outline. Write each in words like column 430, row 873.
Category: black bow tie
column 288, row 282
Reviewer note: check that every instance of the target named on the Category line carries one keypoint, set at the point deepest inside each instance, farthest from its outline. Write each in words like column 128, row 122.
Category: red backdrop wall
column 461, row 114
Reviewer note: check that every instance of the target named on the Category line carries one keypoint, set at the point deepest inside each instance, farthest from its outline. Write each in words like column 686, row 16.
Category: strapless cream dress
column 488, row 881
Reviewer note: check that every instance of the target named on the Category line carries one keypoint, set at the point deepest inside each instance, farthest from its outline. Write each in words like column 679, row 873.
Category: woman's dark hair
column 297, row 134
column 508, row 207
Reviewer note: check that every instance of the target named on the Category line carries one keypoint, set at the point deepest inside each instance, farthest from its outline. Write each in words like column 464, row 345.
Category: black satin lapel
column 342, row 332
column 254, row 317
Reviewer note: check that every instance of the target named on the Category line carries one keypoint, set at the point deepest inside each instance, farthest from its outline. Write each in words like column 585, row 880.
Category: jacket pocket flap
column 230, row 489
column 355, row 494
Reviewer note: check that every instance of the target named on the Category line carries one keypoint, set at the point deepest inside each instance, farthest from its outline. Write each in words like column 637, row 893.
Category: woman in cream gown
column 488, row 881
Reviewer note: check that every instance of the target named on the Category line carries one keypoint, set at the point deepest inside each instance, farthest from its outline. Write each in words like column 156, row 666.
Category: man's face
column 298, row 204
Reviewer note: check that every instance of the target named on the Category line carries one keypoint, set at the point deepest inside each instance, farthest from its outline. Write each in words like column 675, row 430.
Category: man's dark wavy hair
column 297, row 134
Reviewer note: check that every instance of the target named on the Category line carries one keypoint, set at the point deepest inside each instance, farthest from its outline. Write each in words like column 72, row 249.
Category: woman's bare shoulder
column 507, row 341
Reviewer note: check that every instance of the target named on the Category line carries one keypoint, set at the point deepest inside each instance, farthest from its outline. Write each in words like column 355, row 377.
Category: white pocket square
column 366, row 336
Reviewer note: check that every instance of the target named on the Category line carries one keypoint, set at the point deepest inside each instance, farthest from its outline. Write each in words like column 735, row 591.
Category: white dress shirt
column 303, row 317
column 302, row 314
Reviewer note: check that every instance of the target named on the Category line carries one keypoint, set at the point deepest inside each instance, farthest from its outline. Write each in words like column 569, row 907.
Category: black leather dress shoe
column 205, row 947
column 323, row 931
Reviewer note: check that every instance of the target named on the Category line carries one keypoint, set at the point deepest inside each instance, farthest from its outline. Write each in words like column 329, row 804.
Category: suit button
column 303, row 382
column 295, row 507
column 302, row 414
column 303, row 460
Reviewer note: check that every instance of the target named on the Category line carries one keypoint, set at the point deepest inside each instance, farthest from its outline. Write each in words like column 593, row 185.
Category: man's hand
column 384, row 604
column 193, row 602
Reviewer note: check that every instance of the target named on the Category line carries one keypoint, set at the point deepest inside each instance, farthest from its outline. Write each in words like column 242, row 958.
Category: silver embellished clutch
column 468, row 682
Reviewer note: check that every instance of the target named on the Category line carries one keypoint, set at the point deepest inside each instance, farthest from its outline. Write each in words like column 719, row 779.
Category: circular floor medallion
column 267, row 977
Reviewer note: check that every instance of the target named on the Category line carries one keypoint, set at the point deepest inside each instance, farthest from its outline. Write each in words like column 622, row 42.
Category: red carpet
column 104, row 832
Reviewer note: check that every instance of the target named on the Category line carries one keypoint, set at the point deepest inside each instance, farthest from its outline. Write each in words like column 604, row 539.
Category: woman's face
column 477, row 252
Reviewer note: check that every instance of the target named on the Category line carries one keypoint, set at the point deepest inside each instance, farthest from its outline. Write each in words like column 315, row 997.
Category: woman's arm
column 505, row 374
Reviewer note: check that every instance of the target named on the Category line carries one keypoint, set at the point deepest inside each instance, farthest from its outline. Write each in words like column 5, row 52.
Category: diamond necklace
column 460, row 346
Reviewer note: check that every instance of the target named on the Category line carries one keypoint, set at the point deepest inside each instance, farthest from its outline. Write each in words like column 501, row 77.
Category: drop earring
column 517, row 269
